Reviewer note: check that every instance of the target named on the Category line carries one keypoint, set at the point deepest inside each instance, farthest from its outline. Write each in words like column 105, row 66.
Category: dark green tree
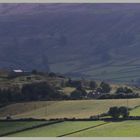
column 39, row 91
column 114, row 112
column 105, row 87
column 124, row 112
column 78, row 94
column 124, row 90
column 93, row 85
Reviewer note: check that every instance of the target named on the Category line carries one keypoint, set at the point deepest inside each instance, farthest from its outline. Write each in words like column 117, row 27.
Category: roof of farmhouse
column 18, row 70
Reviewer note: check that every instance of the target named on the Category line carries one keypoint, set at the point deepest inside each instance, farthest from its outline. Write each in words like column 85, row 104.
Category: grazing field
column 6, row 127
column 85, row 129
column 135, row 112
column 113, row 129
column 59, row 129
column 61, row 109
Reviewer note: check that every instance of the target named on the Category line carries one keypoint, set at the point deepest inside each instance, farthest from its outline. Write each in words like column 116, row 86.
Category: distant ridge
column 98, row 41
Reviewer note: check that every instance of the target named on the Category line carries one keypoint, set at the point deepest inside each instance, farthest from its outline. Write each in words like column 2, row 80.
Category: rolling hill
column 98, row 41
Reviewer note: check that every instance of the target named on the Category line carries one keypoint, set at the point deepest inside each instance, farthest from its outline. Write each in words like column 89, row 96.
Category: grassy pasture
column 113, row 129
column 57, row 129
column 6, row 127
column 135, row 112
column 19, row 108
column 61, row 109
column 85, row 129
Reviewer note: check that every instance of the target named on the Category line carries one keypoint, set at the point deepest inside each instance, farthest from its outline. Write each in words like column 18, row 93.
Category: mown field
column 85, row 129
column 135, row 112
column 61, row 109
column 6, row 127
column 113, row 129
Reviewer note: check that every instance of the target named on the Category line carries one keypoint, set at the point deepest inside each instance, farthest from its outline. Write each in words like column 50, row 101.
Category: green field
column 135, row 112
column 113, row 129
column 59, row 129
column 85, row 129
column 61, row 109
column 6, row 127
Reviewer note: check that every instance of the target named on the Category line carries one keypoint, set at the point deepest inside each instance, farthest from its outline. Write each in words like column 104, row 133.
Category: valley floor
column 82, row 129
column 73, row 108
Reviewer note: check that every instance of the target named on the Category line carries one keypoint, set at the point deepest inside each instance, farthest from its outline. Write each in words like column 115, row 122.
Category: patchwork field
column 61, row 109
column 85, row 129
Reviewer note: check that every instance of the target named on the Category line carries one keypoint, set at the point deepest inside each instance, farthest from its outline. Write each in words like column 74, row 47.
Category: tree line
column 30, row 92
column 45, row 91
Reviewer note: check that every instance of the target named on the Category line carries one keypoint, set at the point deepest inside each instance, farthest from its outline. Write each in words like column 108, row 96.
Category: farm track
column 83, row 129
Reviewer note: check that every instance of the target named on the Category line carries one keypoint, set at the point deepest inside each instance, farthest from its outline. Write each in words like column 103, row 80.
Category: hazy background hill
column 99, row 41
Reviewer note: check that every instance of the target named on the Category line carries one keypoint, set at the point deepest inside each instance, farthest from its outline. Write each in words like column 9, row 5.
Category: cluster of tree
column 93, row 85
column 79, row 93
column 121, row 93
column 124, row 90
column 30, row 92
column 9, row 95
column 103, row 88
column 39, row 91
column 118, row 96
column 116, row 112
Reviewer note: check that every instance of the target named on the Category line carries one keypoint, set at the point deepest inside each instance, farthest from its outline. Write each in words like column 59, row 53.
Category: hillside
column 98, row 41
